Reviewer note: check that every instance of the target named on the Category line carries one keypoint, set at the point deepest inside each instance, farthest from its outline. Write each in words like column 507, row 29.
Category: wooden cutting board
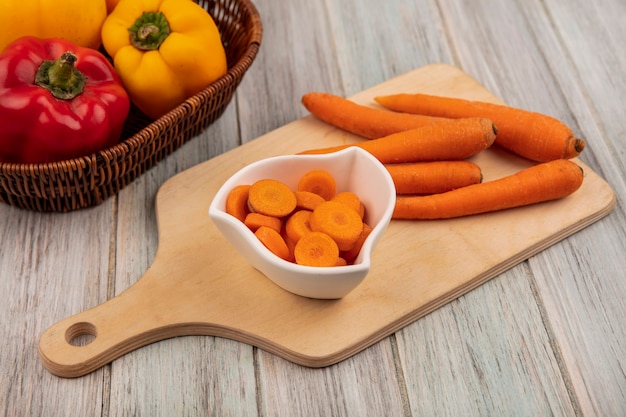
column 199, row 285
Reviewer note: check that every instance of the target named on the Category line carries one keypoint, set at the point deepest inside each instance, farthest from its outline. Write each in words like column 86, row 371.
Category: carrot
column 361, row 120
column 256, row 220
column 532, row 135
column 298, row 225
column 316, row 249
column 351, row 200
column 433, row 177
column 351, row 254
column 343, row 225
column 458, row 139
column 237, row 202
column 272, row 211
column 291, row 245
column 318, row 181
column 271, row 197
column 543, row 182
column 307, row 200
column 341, row 261
column 273, row 241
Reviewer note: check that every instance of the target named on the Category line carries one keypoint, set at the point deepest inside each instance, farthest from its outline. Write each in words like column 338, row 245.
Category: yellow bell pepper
column 111, row 5
column 164, row 51
column 77, row 21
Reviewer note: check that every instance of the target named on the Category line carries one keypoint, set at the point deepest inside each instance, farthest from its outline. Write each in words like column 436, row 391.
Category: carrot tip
column 579, row 145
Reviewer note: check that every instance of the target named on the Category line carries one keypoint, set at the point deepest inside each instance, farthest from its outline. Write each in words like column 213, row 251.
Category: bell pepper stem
column 61, row 77
column 149, row 31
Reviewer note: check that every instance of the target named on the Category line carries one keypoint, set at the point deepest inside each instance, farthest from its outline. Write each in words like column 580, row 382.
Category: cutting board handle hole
column 80, row 334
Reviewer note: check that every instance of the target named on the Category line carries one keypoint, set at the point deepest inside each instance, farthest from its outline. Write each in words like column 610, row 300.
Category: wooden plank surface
column 550, row 331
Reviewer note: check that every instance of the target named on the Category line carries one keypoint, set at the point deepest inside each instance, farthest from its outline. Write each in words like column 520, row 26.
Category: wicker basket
column 91, row 179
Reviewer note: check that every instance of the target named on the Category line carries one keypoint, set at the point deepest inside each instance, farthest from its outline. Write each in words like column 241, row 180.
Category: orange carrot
column 271, row 197
column 316, row 249
column 307, row 200
column 291, row 245
column 237, row 202
column 298, row 225
column 433, row 177
column 351, row 254
column 318, row 181
column 274, row 213
column 341, row 261
column 351, row 200
column 361, row 120
column 529, row 134
column 342, row 224
column 543, row 182
column 273, row 241
column 458, row 139
column 256, row 220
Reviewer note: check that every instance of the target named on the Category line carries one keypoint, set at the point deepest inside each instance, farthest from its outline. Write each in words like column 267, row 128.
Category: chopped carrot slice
column 272, row 198
column 307, row 200
column 318, row 181
column 351, row 200
column 291, row 245
column 298, row 224
column 341, row 261
column 273, row 241
column 237, row 202
column 351, row 254
column 256, row 220
column 342, row 224
column 316, row 249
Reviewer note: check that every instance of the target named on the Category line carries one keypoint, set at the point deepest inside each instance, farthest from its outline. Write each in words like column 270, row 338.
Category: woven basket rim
column 168, row 119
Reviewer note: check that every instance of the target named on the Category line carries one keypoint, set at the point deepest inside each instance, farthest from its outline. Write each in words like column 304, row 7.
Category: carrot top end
column 579, row 145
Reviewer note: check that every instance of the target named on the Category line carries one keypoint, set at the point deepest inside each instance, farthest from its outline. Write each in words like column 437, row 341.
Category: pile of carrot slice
column 313, row 225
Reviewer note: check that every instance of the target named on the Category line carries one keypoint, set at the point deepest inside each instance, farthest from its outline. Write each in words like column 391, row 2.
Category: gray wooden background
column 546, row 338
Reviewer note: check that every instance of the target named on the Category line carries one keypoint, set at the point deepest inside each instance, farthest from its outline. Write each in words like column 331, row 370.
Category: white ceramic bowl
column 354, row 170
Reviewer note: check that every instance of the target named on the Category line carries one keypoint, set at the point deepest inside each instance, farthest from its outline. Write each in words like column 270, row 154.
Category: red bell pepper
column 57, row 101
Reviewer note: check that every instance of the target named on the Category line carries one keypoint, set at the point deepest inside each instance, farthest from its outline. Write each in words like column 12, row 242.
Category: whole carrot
column 422, row 178
column 454, row 140
column 364, row 121
column 543, row 182
column 532, row 135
